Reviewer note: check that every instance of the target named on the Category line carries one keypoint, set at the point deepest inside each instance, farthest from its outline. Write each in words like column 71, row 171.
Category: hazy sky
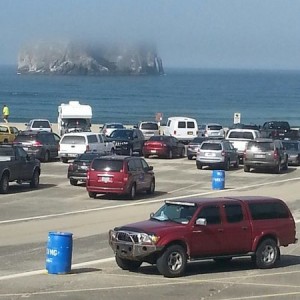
column 188, row 33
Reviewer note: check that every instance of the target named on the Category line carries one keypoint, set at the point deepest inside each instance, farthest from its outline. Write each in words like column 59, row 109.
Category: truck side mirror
column 201, row 221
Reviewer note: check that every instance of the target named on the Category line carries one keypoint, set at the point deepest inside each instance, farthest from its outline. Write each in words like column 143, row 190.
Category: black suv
column 265, row 153
column 128, row 141
column 42, row 144
column 78, row 168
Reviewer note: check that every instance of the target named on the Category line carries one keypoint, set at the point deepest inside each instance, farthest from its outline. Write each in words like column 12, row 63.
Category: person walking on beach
column 5, row 113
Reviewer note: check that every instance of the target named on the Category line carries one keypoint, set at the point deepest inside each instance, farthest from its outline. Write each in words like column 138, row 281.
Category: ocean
column 206, row 95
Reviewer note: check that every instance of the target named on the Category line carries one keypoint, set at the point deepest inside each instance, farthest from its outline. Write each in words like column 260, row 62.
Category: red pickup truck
column 216, row 228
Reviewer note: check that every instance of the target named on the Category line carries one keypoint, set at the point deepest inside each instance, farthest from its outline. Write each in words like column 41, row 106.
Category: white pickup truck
column 240, row 138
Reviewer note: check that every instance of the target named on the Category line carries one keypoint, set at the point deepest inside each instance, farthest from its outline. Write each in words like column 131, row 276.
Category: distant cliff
column 77, row 59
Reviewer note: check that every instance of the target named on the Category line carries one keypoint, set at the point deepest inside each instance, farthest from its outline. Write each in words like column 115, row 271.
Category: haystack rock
column 77, row 59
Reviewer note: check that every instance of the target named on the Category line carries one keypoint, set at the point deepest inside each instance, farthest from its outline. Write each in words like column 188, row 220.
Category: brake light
column 37, row 144
column 125, row 178
column 245, row 154
column 276, row 154
column 87, row 148
column 174, row 132
column 70, row 168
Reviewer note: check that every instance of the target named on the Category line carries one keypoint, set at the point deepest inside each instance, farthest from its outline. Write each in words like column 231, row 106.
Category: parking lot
column 27, row 216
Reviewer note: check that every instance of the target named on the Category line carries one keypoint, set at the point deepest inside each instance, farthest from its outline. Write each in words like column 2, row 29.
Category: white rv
column 74, row 116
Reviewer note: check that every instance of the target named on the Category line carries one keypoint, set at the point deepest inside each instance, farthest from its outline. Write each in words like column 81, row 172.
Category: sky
column 242, row 34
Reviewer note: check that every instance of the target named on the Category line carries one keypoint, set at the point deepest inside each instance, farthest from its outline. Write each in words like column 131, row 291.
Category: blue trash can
column 59, row 252
column 218, row 179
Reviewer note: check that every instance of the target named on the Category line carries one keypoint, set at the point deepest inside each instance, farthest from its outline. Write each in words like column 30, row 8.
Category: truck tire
column 172, row 262
column 64, row 160
column 151, row 188
column 226, row 165
column 92, row 195
column 132, row 192
column 46, row 157
column 35, row 180
column 126, row 264
column 267, row 253
column 246, row 168
column 4, row 184
column 73, row 181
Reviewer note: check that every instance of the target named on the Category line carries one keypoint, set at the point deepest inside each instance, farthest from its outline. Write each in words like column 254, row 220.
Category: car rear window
column 211, row 146
column 114, row 126
column 264, row 146
column 73, row 140
column 122, row 134
column 291, row 146
column 240, row 135
column 107, row 165
column 214, row 127
column 25, row 138
column 40, row 124
column 149, row 126
column 271, row 210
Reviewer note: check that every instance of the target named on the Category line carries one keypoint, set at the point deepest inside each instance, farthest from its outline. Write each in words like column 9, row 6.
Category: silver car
column 219, row 153
column 292, row 148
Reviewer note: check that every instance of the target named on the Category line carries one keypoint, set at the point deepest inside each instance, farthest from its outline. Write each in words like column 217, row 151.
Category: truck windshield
column 175, row 212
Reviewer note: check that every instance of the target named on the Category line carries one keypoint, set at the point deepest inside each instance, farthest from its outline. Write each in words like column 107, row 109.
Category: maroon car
column 118, row 174
column 163, row 146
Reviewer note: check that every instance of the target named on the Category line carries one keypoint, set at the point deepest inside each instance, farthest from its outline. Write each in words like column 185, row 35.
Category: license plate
column 190, row 133
column 210, row 154
column 83, row 167
column 106, row 179
column 259, row 155
column 153, row 151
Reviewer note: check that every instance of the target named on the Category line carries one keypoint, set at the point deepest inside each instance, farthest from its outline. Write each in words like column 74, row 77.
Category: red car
column 118, row 174
column 163, row 146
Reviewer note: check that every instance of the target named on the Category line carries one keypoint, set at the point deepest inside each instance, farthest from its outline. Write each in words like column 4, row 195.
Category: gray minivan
column 265, row 153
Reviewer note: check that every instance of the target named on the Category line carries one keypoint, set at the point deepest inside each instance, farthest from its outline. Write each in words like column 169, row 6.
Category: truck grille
column 127, row 237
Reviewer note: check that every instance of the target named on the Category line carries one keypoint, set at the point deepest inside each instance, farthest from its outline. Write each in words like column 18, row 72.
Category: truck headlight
column 145, row 238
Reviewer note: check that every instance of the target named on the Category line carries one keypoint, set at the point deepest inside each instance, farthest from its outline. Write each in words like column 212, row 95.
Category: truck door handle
column 220, row 230
column 244, row 228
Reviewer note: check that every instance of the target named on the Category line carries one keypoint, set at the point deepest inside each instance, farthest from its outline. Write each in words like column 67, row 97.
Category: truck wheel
column 151, row 188
column 237, row 164
column 132, row 192
column 199, row 166
column 266, row 255
column 246, row 168
column 5, row 141
column 190, row 157
column 73, row 181
column 172, row 262
column 126, row 264
column 170, row 154
column 277, row 169
column 92, row 195
column 35, row 180
column 182, row 152
column 64, row 160
column 226, row 165
column 46, row 157
column 4, row 184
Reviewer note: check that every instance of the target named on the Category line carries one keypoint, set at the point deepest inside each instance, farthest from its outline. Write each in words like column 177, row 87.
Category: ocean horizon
column 208, row 95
